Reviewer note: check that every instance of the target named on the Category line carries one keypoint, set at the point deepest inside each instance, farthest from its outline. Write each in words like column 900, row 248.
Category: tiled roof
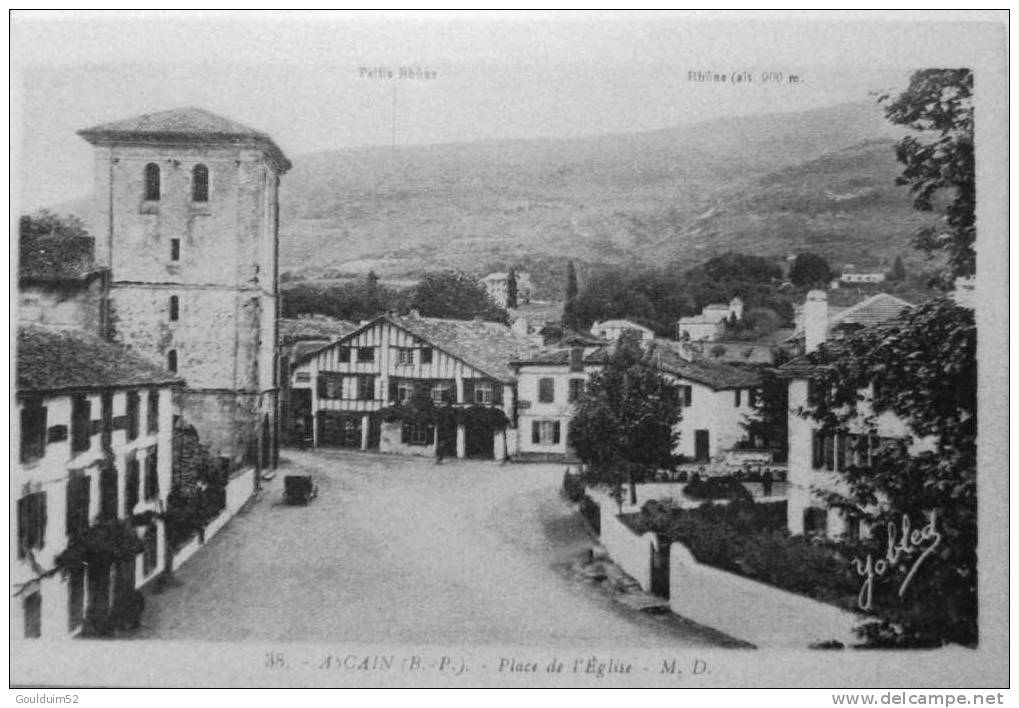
column 488, row 346
column 183, row 123
column 561, row 355
column 53, row 257
column 313, row 327
column 51, row 360
column 304, row 349
column 712, row 374
column 874, row 310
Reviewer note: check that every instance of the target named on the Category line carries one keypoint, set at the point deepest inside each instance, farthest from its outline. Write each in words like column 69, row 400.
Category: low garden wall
column 761, row 614
column 629, row 551
column 238, row 491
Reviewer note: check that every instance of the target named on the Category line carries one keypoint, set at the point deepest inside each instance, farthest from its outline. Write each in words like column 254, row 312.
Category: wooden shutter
column 405, row 433
column 496, row 393
column 840, row 451
column 555, row 432
column 468, row 391
column 829, row 452
column 394, row 390
column 817, row 450
column 535, row 432
column 320, row 386
column 430, row 434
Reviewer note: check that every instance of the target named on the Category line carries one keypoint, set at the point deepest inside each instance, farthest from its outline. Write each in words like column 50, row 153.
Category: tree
column 455, row 295
column 741, row 267
column 810, row 270
column 770, row 420
column 511, row 289
column 938, row 105
column 571, row 317
column 898, row 271
column 921, row 367
column 47, row 223
column 625, row 420
column 53, row 244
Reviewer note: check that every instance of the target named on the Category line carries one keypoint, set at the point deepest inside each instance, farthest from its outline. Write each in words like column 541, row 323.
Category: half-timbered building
column 417, row 385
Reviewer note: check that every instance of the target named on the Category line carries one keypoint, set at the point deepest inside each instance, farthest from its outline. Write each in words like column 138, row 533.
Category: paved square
column 404, row 549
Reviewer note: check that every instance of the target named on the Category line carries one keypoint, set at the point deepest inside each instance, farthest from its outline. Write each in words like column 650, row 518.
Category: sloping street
column 403, row 549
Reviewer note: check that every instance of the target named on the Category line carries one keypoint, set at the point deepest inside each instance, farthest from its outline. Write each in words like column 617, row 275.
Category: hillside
column 820, row 180
column 769, row 184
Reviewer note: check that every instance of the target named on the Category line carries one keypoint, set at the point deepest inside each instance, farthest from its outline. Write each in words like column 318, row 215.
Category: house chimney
column 815, row 320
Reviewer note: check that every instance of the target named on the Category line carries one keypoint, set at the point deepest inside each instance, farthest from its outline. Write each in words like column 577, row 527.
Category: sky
column 511, row 75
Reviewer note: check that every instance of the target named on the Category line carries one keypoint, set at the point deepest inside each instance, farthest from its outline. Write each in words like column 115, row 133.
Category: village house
column 612, row 330
column 549, row 382
column 186, row 218
column 816, row 461
column 716, row 399
column 93, row 431
column 417, row 385
column 709, row 326
column 497, row 287
column 840, row 320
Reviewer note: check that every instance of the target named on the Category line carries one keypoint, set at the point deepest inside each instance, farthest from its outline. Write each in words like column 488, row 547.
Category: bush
column 751, row 540
column 717, row 488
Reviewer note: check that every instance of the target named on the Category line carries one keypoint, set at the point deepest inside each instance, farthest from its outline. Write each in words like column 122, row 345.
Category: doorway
column 701, row 443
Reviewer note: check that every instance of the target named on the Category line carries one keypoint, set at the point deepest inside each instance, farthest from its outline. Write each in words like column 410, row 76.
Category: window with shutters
column 344, row 355
column 829, row 452
column 545, row 432
column 33, row 430
column 442, row 392
column 330, row 385
column 576, row 389
column 815, row 521
column 366, row 354
column 81, row 423
column 171, row 360
column 31, row 522
column 426, row 356
column 153, row 411
column 152, row 474
column 133, row 410
column 131, row 481
column 483, row 393
column 108, row 492
column 546, row 390
column 738, row 399
column 418, row 433
column 817, row 450
column 400, row 390
column 78, row 498
column 404, row 356
column 365, row 388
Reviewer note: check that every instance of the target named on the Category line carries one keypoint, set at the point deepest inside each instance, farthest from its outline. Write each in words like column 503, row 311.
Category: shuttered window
column 576, row 389
column 685, row 396
column 78, row 497
column 152, row 474
column 108, row 492
column 31, row 522
column 33, row 430
column 81, row 419
column 546, row 432
column 153, row 411
column 133, row 411
column 546, row 390
column 131, row 479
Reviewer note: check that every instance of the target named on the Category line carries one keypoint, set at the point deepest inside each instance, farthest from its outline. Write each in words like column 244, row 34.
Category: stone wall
column 75, row 305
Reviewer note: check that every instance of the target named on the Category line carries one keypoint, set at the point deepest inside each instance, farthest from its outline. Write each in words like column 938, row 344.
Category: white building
column 709, row 326
column 497, row 286
column 853, row 277
column 548, row 385
column 612, row 330
column 816, row 461
column 716, row 398
column 839, row 320
column 413, row 385
column 94, row 434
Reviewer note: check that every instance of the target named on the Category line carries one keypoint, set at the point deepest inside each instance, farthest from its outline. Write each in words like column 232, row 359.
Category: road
column 402, row 549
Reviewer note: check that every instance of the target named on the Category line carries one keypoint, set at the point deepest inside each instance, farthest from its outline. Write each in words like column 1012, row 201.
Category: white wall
column 716, row 412
column 560, row 409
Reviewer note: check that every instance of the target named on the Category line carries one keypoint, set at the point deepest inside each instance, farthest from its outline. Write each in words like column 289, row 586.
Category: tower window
column 174, row 308
column 151, row 182
column 171, row 360
column 174, row 249
column 200, row 184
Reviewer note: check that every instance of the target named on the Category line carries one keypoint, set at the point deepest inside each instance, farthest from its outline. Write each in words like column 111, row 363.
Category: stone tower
column 187, row 222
